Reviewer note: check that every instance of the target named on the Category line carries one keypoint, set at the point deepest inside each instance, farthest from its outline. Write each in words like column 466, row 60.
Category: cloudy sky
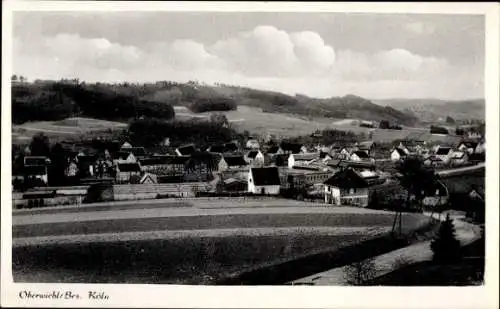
column 317, row 54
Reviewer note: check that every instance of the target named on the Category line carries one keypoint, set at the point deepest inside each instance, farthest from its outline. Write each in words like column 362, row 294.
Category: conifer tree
column 445, row 246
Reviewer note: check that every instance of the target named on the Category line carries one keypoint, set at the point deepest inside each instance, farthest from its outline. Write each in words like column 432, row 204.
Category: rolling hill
column 435, row 110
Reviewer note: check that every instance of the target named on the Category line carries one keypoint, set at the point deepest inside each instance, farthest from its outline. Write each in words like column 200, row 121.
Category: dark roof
column 265, row 176
column 400, row 152
column 35, row 170
column 433, row 158
column 121, row 155
column 186, row 150
column 347, row 179
column 357, row 164
column 443, row 150
column 137, row 151
column 235, row 160
column 217, row 148
column 230, row 146
column 273, row 149
column 470, row 144
column 333, row 162
column 169, row 159
column 477, row 157
column 87, row 159
column 252, row 154
column 362, row 154
column 129, row 167
column 32, row 160
column 292, row 147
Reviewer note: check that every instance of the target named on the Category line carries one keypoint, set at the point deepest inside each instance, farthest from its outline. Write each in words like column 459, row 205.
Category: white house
column 398, row 154
column 468, row 146
column 444, row 153
column 125, row 171
column 264, row 180
column 301, row 158
column 36, row 172
column 359, row 156
column 252, row 144
column 255, row 157
column 122, row 157
column 126, row 145
column 459, row 157
column 346, row 187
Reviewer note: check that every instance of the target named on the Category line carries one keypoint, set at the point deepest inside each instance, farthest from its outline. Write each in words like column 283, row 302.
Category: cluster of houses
column 441, row 155
column 339, row 174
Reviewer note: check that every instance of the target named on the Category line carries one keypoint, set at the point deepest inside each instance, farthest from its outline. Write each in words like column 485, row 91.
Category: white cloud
column 265, row 57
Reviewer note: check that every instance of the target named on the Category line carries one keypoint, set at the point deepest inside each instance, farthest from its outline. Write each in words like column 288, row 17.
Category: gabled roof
column 400, row 152
column 186, row 150
column 443, row 150
column 433, row 158
column 361, row 154
column 333, row 162
column 458, row 155
column 292, row 147
column 235, row 160
column 230, row 147
column 347, row 179
column 137, row 151
column 357, row 164
column 170, row 159
column 366, row 145
column 129, row 167
column 252, row 154
column 469, row 144
column 217, row 148
column 265, row 176
column 305, row 156
column 121, row 155
column 273, row 149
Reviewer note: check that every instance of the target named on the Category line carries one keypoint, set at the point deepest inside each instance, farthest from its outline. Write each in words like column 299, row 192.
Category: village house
column 346, row 187
column 87, row 165
column 345, row 152
column 359, row 156
column 125, row 172
column 219, row 148
column 459, row 158
column 412, row 146
column 468, row 146
column 126, row 146
column 165, row 165
column 398, row 154
column 148, row 178
column 444, row 153
column 234, row 185
column 231, row 147
column 138, row 152
column 71, row 169
column 476, row 207
column 433, row 161
column 255, row 157
column 231, row 162
column 301, row 158
column 185, row 150
column 36, row 160
column 367, row 146
column 122, row 157
column 252, row 144
column 264, row 180
column 274, row 150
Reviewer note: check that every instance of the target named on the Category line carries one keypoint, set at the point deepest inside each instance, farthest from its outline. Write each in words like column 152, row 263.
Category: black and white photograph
column 247, row 148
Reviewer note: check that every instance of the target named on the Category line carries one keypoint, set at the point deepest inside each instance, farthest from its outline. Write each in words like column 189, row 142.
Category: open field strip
column 177, row 234
column 180, row 212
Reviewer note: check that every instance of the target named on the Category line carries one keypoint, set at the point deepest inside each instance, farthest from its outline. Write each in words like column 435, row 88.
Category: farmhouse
column 398, row 154
column 255, row 157
column 36, row 160
column 264, row 180
column 367, row 146
column 252, row 144
column 346, row 188
column 292, row 148
column 148, row 178
column 459, row 157
column 231, row 162
column 444, row 153
column 231, row 147
column 301, row 158
column 126, row 146
column 185, row 150
column 433, row 161
column 164, row 165
column 121, row 157
column 126, row 171
column 468, row 146
column 359, row 156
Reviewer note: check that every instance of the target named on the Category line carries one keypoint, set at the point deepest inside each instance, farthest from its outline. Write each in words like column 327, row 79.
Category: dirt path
column 466, row 233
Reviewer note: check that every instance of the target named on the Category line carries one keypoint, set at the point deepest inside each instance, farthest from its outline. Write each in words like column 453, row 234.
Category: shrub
column 361, row 272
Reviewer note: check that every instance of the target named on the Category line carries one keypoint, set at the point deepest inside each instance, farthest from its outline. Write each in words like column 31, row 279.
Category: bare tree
column 361, row 272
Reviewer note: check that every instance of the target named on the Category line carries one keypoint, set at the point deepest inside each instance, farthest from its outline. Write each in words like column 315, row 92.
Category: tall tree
column 58, row 165
column 446, row 247
column 40, row 145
